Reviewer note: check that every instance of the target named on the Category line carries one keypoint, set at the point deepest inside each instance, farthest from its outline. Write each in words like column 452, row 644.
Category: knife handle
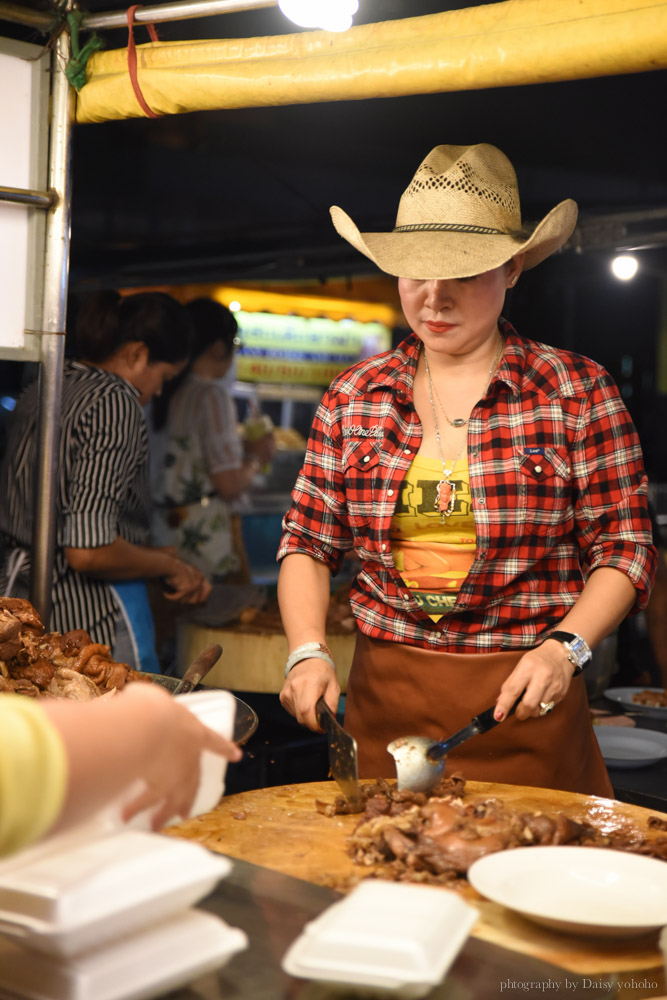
column 323, row 712
column 486, row 721
column 198, row 669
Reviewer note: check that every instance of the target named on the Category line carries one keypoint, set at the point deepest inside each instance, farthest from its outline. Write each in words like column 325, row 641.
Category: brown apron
column 399, row 690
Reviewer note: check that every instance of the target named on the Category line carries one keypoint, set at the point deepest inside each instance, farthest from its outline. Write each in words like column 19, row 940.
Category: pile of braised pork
column 414, row 837
column 54, row 665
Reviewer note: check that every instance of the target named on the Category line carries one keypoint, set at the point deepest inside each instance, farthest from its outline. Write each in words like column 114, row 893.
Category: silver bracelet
column 307, row 651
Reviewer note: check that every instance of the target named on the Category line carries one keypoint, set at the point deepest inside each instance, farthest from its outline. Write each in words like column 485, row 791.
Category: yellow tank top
column 433, row 558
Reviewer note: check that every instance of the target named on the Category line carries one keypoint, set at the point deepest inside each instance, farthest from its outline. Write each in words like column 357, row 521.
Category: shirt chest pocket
column 542, row 468
column 361, row 460
column 545, row 487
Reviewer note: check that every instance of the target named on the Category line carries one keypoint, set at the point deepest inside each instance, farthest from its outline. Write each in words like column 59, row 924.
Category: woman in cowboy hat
column 492, row 489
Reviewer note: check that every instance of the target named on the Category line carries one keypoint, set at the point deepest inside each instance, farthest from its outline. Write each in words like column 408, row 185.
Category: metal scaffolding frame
column 57, row 202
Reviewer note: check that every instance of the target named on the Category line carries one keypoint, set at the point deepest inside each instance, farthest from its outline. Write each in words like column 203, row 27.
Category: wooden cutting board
column 280, row 828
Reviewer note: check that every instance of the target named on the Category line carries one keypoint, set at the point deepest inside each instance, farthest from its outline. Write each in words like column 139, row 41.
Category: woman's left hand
column 543, row 674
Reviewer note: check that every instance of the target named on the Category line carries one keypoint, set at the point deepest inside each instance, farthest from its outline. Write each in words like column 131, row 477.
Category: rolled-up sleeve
column 317, row 523
column 614, row 526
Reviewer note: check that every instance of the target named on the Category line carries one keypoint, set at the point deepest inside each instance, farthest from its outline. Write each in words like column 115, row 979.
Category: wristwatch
column 578, row 651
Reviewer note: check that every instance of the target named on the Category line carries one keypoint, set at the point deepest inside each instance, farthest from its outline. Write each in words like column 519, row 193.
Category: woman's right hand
column 188, row 585
column 304, row 686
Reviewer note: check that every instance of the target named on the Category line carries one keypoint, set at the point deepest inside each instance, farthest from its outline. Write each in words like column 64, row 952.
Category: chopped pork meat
column 418, row 838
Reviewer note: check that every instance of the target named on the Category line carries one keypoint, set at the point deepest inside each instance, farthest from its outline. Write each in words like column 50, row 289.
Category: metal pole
column 56, row 270
column 180, row 10
column 27, row 196
column 29, row 18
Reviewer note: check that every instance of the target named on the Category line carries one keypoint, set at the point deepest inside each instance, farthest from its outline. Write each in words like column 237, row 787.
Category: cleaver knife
column 342, row 755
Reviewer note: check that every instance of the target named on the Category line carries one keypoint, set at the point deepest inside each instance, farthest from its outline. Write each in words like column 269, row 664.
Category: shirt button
column 367, row 458
column 481, row 500
column 538, row 469
column 432, row 638
column 482, row 555
column 407, row 451
column 390, row 493
column 384, row 546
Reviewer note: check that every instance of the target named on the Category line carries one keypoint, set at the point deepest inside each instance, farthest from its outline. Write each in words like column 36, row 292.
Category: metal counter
column 272, row 909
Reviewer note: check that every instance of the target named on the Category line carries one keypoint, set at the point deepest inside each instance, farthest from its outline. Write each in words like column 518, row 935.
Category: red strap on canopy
column 132, row 60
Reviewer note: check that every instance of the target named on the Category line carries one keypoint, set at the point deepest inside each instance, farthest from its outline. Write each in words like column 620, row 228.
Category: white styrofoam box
column 385, row 935
column 82, row 892
column 215, row 709
column 147, row 964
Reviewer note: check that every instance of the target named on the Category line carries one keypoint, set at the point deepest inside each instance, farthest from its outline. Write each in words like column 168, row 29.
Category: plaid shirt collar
column 398, row 372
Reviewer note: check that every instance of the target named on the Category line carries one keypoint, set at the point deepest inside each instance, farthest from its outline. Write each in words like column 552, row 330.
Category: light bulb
column 331, row 15
column 624, row 267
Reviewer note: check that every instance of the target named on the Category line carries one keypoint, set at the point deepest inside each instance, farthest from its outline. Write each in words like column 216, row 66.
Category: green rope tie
column 75, row 71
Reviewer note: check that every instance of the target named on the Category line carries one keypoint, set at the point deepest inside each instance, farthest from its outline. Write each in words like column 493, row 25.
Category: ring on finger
column 546, row 707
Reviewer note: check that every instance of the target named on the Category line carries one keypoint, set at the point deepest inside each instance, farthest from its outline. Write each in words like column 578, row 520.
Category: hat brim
column 424, row 255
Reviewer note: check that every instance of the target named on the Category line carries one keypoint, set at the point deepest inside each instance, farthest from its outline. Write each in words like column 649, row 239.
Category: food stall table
column 291, row 863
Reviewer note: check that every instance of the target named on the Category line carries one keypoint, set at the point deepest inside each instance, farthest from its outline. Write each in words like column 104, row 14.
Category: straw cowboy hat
column 459, row 216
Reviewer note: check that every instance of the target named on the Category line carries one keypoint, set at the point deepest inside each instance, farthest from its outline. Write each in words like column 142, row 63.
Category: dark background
column 243, row 195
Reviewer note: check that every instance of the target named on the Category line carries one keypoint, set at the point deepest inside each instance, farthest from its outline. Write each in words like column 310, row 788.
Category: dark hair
column 106, row 320
column 211, row 321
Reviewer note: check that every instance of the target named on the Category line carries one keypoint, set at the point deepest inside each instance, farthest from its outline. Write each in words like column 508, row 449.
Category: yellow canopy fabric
column 495, row 45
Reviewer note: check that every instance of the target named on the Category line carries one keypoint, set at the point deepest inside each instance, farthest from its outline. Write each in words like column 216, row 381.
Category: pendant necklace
column 445, row 491
column 459, row 421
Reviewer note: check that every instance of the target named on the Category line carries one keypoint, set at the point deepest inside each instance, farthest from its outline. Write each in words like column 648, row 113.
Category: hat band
column 449, row 227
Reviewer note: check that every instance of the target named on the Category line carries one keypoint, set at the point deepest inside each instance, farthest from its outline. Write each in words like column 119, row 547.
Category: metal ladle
column 420, row 761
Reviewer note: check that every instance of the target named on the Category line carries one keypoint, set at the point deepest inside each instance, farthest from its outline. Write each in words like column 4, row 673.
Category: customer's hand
column 171, row 772
column 543, row 674
column 187, row 584
column 304, row 686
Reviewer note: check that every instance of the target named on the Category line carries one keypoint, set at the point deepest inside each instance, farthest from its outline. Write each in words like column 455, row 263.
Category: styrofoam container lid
column 81, row 893
column 144, row 965
column 387, row 935
column 215, row 709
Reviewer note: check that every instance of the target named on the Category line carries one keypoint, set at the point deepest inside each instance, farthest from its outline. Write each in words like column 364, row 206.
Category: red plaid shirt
column 556, row 477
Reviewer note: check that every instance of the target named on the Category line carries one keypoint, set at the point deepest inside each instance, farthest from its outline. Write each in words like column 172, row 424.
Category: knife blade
column 342, row 755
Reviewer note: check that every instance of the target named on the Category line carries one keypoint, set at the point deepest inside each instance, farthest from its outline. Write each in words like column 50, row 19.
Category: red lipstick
column 439, row 327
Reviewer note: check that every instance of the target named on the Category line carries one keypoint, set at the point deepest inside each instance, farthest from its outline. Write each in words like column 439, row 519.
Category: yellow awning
column 495, row 45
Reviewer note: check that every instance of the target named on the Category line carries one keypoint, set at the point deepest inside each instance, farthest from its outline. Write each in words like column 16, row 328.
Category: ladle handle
column 486, row 721
column 482, row 723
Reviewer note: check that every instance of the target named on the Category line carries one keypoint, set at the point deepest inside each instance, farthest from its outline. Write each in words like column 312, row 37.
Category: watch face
column 581, row 654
